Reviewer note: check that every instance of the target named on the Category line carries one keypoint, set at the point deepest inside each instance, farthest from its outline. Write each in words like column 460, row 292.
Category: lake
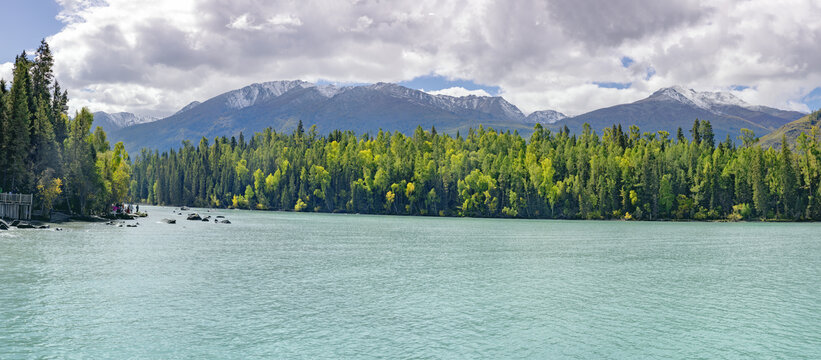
column 297, row 285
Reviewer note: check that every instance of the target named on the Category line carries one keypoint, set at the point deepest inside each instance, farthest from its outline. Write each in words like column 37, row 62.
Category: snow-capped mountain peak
column 329, row 90
column 545, row 117
column 704, row 99
column 254, row 93
column 123, row 119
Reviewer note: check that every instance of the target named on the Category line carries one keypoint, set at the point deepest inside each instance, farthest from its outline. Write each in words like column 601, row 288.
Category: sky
column 153, row 57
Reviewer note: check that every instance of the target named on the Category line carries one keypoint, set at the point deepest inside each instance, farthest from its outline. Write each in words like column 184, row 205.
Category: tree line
column 485, row 173
column 46, row 153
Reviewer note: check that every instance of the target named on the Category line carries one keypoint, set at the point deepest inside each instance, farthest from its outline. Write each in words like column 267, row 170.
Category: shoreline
column 190, row 208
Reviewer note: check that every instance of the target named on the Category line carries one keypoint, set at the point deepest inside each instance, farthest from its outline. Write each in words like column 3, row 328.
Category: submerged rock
column 225, row 221
column 169, row 221
column 22, row 225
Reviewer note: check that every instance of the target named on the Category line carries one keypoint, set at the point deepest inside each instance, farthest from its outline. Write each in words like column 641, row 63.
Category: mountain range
column 282, row 104
column 670, row 108
column 116, row 121
column 369, row 108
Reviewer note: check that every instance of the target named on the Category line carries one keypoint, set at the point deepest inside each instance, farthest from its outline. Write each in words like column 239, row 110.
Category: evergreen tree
column 82, row 179
column 59, row 107
column 43, row 152
column 707, row 136
column 4, row 135
column 695, row 132
column 17, row 135
column 41, row 73
column 46, row 153
column 680, row 135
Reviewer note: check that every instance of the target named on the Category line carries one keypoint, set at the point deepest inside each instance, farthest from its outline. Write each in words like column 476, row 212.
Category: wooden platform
column 16, row 206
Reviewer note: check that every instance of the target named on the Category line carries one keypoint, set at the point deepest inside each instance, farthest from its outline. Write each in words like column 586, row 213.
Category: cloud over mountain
column 155, row 56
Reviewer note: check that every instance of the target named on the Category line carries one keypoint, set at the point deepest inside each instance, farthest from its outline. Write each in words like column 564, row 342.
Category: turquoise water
column 290, row 285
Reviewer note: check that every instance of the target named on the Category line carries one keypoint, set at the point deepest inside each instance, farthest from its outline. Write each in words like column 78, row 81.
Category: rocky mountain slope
column 281, row 104
column 391, row 107
column 670, row 108
column 792, row 130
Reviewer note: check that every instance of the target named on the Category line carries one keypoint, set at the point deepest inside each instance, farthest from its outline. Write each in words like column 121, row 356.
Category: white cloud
column 243, row 22
column 155, row 56
column 459, row 91
column 284, row 20
column 6, row 72
column 278, row 22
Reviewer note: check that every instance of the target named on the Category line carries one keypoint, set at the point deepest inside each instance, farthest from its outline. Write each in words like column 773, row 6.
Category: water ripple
column 287, row 285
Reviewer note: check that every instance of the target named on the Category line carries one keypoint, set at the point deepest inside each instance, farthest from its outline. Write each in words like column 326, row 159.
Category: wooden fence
column 16, row 206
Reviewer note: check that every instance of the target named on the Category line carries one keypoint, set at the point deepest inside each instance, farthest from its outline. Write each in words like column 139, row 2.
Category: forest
column 46, row 153
column 485, row 173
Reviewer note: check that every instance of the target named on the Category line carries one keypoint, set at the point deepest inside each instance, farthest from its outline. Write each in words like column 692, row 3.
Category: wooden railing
column 24, row 199
column 16, row 206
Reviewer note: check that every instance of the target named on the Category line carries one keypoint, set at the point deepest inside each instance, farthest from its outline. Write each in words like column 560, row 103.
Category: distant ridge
column 792, row 130
column 670, row 108
column 115, row 121
column 544, row 117
column 281, row 104
column 390, row 107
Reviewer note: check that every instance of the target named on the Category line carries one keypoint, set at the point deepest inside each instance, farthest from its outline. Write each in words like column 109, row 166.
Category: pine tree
column 59, row 107
column 707, row 136
column 17, row 133
column 695, row 132
column 41, row 73
column 788, row 180
column 46, row 155
column 300, row 130
column 680, row 135
column 82, row 178
column 4, row 135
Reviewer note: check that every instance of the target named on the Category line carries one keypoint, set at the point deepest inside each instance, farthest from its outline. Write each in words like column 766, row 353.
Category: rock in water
column 169, row 221
column 225, row 222
column 3, row 225
column 194, row 216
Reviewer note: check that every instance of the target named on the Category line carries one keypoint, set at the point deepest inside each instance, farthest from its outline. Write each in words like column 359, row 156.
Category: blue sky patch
column 626, row 61
column 613, row 85
column 650, row 72
column 813, row 99
column 437, row 82
column 739, row 87
column 27, row 23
